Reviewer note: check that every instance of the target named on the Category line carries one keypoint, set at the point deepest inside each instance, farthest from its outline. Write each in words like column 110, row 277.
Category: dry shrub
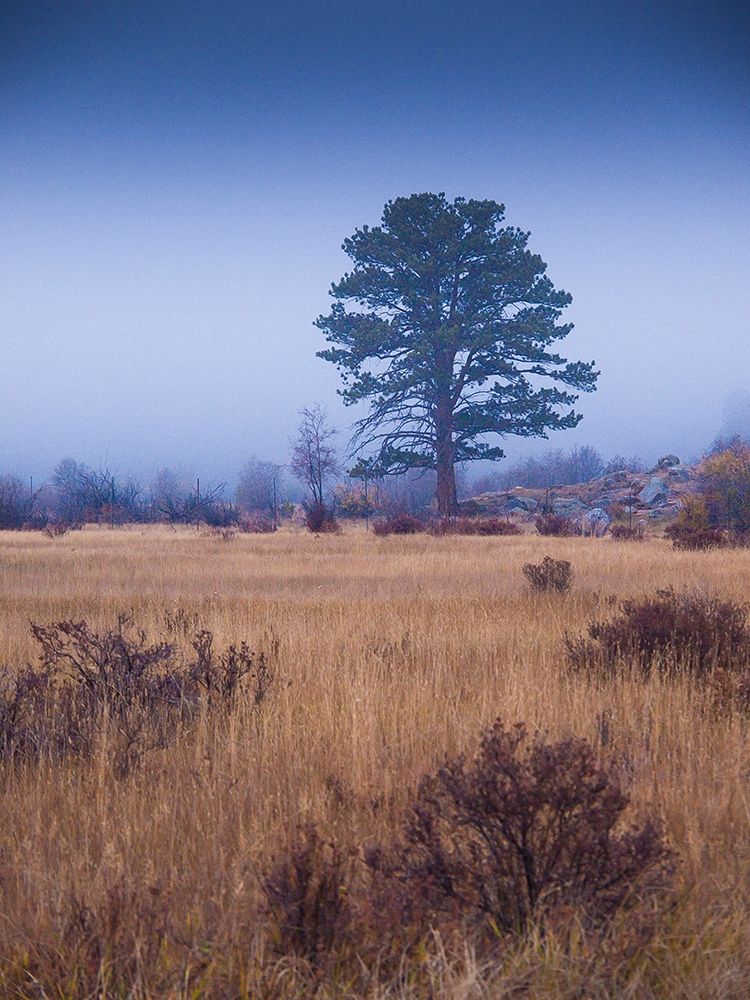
column 555, row 524
column 525, row 834
column 398, row 524
column 731, row 689
column 55, row 529
column 223, row 533
column 624, row 533
column 320, row 520
column 526, row 829
column 689, row 632
column 306, row 897
column 549, row 575
column 474, row 526
column 695, row 539
column 256, row 523
column 141, row 694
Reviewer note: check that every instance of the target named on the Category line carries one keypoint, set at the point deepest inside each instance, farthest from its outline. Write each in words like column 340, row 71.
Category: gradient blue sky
column 177, row 179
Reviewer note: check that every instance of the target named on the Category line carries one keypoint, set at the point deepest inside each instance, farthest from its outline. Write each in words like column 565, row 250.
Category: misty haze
column 374, row 500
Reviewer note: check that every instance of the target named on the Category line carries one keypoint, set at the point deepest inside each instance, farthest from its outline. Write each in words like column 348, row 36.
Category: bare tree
column 314, row 460
column 85, row 494
column 19, row 504
column 259, row 486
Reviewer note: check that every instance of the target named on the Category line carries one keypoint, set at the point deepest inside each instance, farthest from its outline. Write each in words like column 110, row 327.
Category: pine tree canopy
column 446, row 327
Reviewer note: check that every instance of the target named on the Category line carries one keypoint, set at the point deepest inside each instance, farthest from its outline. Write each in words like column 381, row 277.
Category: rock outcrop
column 654, row 496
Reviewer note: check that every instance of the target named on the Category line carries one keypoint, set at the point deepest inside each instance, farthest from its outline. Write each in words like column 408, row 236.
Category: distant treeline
column 556, row 468
column 77, row 493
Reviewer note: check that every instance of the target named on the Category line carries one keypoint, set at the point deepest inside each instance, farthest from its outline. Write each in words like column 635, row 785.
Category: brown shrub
column 624, row 533
column 398, row 524
column 555, row 524
column 526, row 829
column 548, row 575
column 141, row 694
column 474, row 526
column 320, row 520
column 306, row 897
column 731, row 689
column 256, row 523
column 695, row 539
column 673, row 632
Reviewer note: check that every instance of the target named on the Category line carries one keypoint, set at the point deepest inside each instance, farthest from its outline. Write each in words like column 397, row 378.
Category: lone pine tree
column 444, row 327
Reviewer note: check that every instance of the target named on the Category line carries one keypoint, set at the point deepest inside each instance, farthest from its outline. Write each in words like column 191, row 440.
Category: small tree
column 19, row 505
column 314, row 460
column 724, row 478
column 258, row 487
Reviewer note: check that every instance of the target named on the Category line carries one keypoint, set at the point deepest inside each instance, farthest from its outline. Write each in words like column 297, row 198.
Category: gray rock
column 595, row 522
column 679, row 473
column 528, row 504
column 569, row 507
column 666, row 461
column 654, row 493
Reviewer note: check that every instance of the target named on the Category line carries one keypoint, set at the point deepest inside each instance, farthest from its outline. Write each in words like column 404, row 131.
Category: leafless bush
column 689, row 632
column 221, row 534
column 474, row 526
column 320, row 520
column 731, row 689
column 525, row 833
column 555, row 524
column 56, row 529
column 398, row 524
column 306, row 897
column 624, row 533
column 695, row 538
column 548, row 575
column 256, row 523
column 526, row 828
column 141, row 694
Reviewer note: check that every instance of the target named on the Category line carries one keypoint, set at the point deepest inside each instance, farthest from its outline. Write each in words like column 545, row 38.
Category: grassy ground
column 390, row 653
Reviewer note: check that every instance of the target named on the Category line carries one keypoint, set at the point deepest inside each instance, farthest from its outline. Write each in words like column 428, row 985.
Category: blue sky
column 177, row 179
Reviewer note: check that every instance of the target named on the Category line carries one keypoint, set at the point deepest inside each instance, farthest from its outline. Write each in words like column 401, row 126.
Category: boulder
column 595, row 522
column 666, row 461
column 569, row 506
column 527, row 504
column 654, row 493
column 679, row 473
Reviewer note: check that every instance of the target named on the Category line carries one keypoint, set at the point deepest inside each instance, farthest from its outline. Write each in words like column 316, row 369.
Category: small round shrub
column 623, row 533
column 549, row 575
column 555, row 524
column 398, row 524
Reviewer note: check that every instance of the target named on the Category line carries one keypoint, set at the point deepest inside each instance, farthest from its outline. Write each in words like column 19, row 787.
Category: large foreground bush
column 672, row 632
column 491, row 847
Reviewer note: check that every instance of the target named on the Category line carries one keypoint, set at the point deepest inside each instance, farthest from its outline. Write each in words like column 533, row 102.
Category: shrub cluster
column 142, row 695
column 256, row 523
column 320, row 520
column 398, row 524
column 555, row 524
column 526, row 831
column 549, row 575
column 624, row 533
column 671, row 632
column 474, row 526
column 693, row 538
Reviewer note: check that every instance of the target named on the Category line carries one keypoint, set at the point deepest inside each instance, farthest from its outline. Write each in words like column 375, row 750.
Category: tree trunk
column 446, row 471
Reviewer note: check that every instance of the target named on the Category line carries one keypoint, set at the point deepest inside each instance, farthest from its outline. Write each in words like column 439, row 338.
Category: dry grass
column 393, row 652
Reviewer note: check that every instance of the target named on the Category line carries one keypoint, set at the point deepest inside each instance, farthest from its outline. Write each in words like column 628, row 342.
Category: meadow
column 388, row 654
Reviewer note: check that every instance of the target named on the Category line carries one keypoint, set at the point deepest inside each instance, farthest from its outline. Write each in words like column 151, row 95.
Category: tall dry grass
column 390, row 654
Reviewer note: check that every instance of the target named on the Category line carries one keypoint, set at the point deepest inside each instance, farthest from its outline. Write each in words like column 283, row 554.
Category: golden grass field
column 391, row 654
